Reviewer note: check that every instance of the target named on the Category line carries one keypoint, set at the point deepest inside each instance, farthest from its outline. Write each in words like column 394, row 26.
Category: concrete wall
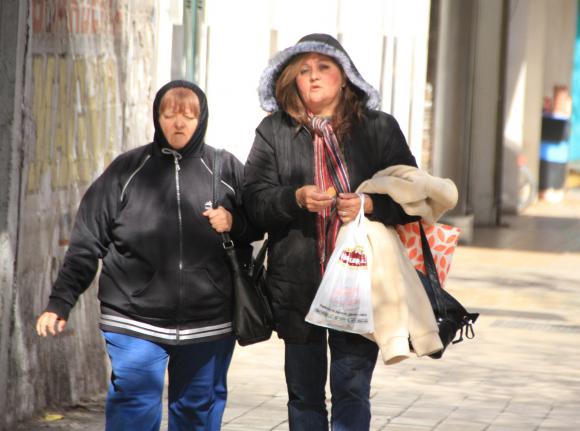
column 80, row 78
column 12, row 18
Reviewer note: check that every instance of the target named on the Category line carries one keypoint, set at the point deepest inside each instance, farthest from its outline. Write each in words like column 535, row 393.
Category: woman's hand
column 220, row 219
column 49, row 322
column 311, row 198
column 348, row 206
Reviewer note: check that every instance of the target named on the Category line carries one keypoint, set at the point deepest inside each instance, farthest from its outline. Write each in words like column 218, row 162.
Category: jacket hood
column 196, row 143
column 322, row 44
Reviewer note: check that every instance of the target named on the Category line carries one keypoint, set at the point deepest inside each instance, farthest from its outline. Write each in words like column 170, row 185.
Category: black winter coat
column 281, row 161
column 164, row 275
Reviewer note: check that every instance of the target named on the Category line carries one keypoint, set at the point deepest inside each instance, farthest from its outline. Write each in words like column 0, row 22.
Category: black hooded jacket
column 282, row 160
column 163, row 276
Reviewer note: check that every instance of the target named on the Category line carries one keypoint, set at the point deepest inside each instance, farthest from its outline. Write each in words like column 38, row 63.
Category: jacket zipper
column 176, row 158
column 132, row 176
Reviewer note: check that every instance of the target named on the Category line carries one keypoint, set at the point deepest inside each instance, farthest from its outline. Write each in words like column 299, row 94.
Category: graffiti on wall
column 75, row 110
column 76, row 16
column 85, row 99
column 75, row 93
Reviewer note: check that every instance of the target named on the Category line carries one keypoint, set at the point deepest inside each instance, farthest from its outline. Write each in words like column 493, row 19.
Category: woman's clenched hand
column 313, row 199
column 220, row 219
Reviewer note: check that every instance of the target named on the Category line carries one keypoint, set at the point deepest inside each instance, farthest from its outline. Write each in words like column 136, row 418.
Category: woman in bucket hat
column 323, row 137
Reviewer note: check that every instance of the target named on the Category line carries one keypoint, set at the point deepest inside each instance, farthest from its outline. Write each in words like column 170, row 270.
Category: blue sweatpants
column 197, row 384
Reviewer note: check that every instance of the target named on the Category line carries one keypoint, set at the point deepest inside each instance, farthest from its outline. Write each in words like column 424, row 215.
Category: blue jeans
column 352, row 362
column 197, row 384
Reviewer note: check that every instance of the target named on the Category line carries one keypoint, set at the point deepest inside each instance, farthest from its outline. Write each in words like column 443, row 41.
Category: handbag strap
column 217, row 178
column 431, row 272
column 217, row 173
column 435, row 286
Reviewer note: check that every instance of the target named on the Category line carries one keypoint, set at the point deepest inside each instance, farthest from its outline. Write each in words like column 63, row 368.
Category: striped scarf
column 329, row 171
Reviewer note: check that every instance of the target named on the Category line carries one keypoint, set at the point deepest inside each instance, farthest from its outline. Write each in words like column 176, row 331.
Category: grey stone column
column 467, row 96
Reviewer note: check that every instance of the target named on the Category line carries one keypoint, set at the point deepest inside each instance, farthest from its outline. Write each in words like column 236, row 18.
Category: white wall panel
column 237, row 44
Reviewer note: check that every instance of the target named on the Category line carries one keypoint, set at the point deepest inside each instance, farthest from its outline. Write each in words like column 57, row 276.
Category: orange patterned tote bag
column 442, row 241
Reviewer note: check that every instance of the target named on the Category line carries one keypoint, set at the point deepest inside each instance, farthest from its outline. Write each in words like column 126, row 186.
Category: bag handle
column 361, row 211
column 435, row 286
column 227, row 241
column 217, row 174
column 431, row 272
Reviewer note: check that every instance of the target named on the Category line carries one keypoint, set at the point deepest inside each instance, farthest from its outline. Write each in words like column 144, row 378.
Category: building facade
column 464, row 78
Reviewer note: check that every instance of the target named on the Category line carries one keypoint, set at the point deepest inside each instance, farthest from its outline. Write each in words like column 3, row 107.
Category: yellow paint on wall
column 63, row 141
column 93, row 98
column 41, row 112
column 110, row 92
column 79, row 86
column 76, row 124
column 37, row 69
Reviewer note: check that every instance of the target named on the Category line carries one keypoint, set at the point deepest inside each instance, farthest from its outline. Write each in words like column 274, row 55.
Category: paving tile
column 511, row 427
column 400, row 427
column 457, row 425
column 415, row 421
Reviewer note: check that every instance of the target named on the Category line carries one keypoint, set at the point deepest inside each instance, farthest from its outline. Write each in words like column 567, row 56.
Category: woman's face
column 178, row 117
column 319, row 83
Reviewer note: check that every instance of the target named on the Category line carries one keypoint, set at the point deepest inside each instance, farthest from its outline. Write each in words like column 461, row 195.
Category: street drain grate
column 534, row 326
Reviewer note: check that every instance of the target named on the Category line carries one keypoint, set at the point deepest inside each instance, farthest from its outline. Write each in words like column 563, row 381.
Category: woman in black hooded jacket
column 164, row 291
column 323, row 137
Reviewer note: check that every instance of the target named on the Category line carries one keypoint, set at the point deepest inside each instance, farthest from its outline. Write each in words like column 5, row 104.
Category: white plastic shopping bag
column 343, row 300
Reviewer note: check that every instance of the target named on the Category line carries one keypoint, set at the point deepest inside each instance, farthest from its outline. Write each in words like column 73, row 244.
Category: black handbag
column 252, row 318
column 451, row 316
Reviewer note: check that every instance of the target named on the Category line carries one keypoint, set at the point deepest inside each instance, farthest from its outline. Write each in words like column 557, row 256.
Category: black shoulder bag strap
column 445, row 306
column 431, row 271
column 217, row 178
column 228, row 243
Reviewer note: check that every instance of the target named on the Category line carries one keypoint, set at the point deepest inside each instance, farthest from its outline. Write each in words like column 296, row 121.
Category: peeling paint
column 86, row 94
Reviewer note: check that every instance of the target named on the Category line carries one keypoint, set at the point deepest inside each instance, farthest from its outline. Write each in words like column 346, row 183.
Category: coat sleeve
column 242, row 230
column 89, row 242
column 395, row 151
column 270, row 204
